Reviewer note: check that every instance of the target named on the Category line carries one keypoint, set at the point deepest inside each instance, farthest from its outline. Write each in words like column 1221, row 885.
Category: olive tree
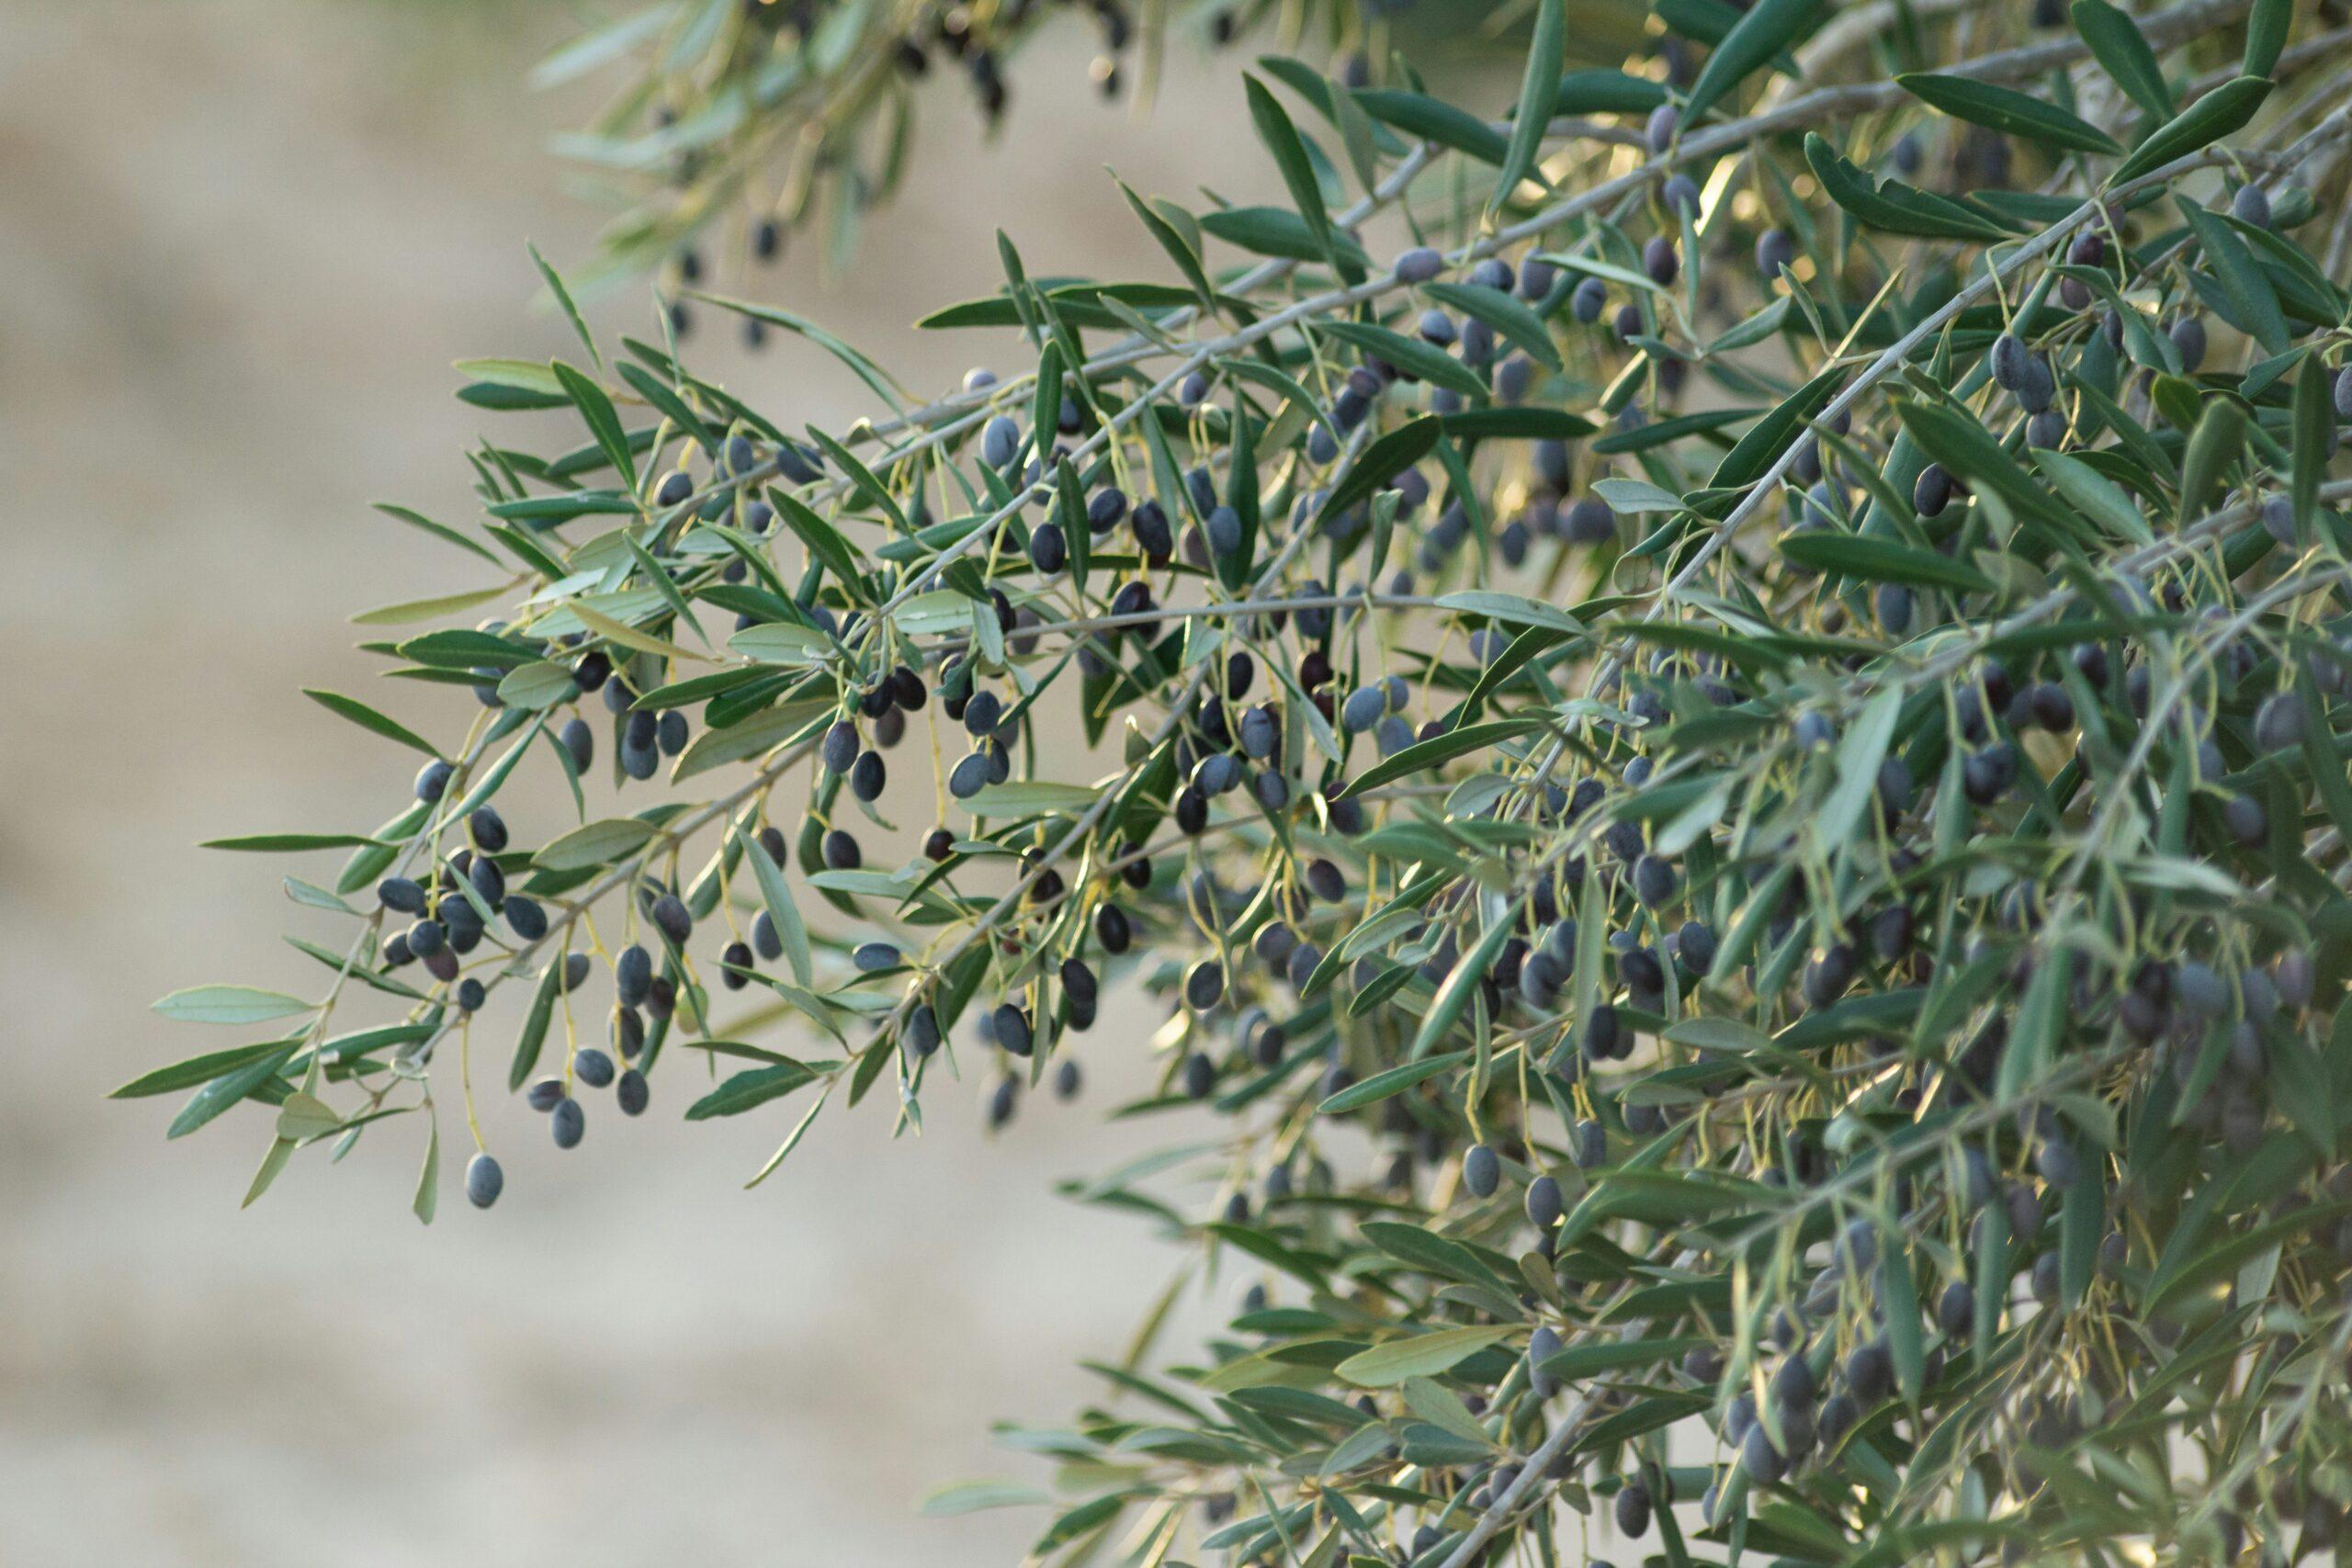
column 1715, row 702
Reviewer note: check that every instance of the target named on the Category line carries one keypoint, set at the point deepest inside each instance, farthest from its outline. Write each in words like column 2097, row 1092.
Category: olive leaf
column 2008, row 111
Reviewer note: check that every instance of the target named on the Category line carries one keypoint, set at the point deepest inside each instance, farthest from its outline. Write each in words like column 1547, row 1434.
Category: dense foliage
column 1729, row 764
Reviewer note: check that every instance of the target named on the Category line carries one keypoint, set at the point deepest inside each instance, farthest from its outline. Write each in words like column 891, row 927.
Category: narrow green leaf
column 1452, row 998
column 1078, row 538
column 2092, row 493
column 1437, row 749
column 2122, row 51
column 1045, row 399
column 1860, row 753
column 428, row 1181
column 2265, row 35
column 1179, row 251
column 1380, row 463
column 1517, row 324
column 2315, row 441
column 280, row 1151
column 2033, row 1042
column 1429, row 1253
column 1027, row 799
column 1667, row 432
column 885, row 386
column 973, row 1496
column 494, row 781
column 2007, row 110
column 1280, row 137
column 782, row 642
column 1432, row 119
column 1636, row 495
column 1899, row 1295
column 525, row 549
column 226, row 1090
column 600, row 46
column 1427, row 361
column 1881, row 560
column 791, row 1140
column 441, row 530
column 776, row 893
column 1537, row 93
column 547, row 511
column 367, row 717
column 533, row 1037
column 745, row 1091
column 2209, row 1265
column 230, row 1004
column 1967, row 450
column 754, row 737
column 825, row 543
column 460, row 649
column 1395, row 1080
column 1606, row 90
column 293, row 843
column 1440, row 1406
column 1891, row 205
column 1514, row 425
column 202, row 1069
column 666, row 400
column 1279, row 232
column 628, row 636
column 2082, row 1220
column 533, row 687
column 1523, row 649
column 2219, row 113
column 596, row 409
column 2214, row 445
column 2319, row 755
column 2242, row 280
column 593, row 844
column 409, row 611
column 1763, row 32
column 563, row 298
column 868, row 483
column 1763, row 443
column 1577, row 1362
column 1423, row 1355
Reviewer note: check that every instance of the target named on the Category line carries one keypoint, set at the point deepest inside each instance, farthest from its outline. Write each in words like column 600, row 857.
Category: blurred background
column 242, row 243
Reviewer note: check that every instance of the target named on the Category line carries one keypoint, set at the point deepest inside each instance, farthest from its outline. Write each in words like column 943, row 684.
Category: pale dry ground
column 241, row 244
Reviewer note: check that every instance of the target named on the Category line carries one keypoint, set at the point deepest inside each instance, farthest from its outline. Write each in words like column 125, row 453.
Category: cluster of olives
column 450, row 905
column 451, row 923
